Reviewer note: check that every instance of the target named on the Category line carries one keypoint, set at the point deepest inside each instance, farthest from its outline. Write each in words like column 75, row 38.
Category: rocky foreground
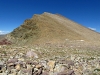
column 33, row 61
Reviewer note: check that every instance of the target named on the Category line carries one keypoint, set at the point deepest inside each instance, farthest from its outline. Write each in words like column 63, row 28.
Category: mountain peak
column 52, row 28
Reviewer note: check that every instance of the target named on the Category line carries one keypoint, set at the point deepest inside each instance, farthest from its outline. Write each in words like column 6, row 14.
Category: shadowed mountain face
column 51, row 28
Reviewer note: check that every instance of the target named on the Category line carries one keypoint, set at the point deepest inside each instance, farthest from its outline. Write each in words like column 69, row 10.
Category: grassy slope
column 51, row 28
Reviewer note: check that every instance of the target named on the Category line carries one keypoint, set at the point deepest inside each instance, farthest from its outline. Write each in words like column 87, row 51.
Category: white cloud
column 3, row 32
column 92, row 28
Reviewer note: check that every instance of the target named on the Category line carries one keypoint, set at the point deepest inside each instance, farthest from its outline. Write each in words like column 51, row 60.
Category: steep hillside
column 51, row 28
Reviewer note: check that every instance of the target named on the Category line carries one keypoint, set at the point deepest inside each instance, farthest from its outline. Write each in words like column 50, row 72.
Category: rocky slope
column 51, row 28
column 57, row 60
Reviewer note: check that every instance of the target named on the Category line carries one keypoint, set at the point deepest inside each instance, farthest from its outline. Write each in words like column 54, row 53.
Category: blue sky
column 14, row 12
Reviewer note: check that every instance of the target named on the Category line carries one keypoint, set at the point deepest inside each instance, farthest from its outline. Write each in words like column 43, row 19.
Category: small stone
column 13, row 70
column 43, row 63
column 10, row 64
column 51, row 65
column 21, row 59
column 40, row 71
column 28, row 66
column 60, row 68
column 1, row 65
column 17, row 67
column 13, row 60
column 33, row 66
column 39, row 66
column 35, row 63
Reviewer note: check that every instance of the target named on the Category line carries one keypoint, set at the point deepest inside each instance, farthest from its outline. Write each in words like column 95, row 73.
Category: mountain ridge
column 51, row 28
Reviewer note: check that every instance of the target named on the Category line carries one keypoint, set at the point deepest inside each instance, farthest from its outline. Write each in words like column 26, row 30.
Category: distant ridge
column 52, row 28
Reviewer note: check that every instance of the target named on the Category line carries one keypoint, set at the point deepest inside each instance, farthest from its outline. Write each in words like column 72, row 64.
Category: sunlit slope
column 51, row 28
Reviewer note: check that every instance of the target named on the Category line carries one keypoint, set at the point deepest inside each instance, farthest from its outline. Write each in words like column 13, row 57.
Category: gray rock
column 13, row 60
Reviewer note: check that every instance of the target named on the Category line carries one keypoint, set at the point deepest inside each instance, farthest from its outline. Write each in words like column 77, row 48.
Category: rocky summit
column 50, row 44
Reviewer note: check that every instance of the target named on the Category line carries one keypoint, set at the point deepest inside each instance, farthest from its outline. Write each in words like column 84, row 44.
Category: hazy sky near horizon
column 14, row 12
